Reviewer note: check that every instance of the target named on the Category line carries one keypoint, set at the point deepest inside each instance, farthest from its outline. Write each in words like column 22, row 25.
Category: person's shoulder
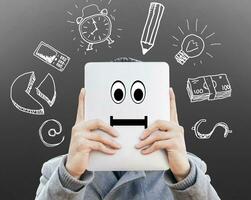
column 49, row 166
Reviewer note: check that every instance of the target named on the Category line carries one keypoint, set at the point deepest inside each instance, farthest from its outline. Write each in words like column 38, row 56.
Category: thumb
column 173, row 109
column 81, row 106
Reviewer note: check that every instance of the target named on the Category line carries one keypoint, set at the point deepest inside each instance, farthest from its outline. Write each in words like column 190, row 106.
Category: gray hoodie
column 57, row 184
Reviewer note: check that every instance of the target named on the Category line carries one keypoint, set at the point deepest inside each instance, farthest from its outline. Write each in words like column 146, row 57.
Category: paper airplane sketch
column 42, row 90
column 193, row 43
column 20, row 94
column 204, row 136
column 51, row 133
column 94, row 26
column 51, row 56
column 151, row 27
column 210, row 87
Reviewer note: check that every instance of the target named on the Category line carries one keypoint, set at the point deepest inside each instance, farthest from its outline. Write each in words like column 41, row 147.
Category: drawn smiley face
column 137, row 93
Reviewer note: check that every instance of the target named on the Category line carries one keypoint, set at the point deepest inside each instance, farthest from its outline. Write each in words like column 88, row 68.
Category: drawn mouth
column 128, row 122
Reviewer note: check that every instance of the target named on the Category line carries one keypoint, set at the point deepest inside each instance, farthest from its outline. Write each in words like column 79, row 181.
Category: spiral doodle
column 51, row 132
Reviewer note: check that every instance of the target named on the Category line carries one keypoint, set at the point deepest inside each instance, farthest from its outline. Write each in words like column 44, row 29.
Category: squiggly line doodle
column 203, row 136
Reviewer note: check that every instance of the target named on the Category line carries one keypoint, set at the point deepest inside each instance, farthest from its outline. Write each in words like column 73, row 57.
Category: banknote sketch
column 151, row 27
column 209, row 87
column 204, row 136
column 42, row 90
column 51, row 56
column 193, row 43
column 52, row 133
column 20, row 94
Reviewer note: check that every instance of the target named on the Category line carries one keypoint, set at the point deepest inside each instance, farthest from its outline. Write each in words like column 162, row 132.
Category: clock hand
column 94, row 31
column 95, row 24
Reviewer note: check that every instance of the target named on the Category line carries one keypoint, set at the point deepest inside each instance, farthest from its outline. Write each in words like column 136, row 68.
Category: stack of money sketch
column 211, row 87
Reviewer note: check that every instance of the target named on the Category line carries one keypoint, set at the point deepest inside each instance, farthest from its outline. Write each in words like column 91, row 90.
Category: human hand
column 168, row 135
column 84, row 140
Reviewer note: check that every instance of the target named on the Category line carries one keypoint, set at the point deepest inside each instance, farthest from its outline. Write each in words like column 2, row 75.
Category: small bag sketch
column 24, row 100
column 95, row 26
column 151, row 27
column 204, row 136
column 52, row 133
column 51, row 56
column 210, row 87
column 193, row 43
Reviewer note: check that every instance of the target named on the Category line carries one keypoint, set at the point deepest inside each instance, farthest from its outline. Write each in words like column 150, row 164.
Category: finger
column 154, row 137
column 81, row 107
column 99, row 124
column 173, row 108
column 97, row 137
column 159, row 125
column 97, row 146
column 156, row 146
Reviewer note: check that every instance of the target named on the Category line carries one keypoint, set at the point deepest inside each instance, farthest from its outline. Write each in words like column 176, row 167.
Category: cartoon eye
column 118, row 92
column 138, row 92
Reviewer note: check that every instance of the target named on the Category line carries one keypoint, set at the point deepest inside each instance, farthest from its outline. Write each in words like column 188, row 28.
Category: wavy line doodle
column 52, row 132
column 203, row 136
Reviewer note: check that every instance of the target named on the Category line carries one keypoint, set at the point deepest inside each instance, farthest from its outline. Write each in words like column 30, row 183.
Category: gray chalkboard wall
column 24, row 23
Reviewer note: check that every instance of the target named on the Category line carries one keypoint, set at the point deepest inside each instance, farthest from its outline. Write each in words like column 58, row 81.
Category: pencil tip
column 144, row 51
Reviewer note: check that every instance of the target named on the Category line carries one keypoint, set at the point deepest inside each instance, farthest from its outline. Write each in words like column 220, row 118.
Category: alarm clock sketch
column 95, row 26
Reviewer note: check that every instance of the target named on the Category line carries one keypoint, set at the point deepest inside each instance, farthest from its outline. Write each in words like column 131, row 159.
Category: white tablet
column 129, row 96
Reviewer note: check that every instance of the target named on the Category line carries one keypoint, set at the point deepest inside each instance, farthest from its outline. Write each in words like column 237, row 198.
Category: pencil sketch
column 20, row 94
column 204, row 136
column 51, row 56
column 52, row 132
column 193, row 43
column 48, row 82
column 151, row 27
column 209, row 87
column 94, row 26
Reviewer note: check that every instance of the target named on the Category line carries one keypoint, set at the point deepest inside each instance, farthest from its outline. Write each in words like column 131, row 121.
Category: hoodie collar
column 107, row 183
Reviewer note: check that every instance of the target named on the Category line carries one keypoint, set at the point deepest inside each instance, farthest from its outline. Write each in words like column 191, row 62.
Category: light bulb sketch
column 95, row 25
column 192, row 43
